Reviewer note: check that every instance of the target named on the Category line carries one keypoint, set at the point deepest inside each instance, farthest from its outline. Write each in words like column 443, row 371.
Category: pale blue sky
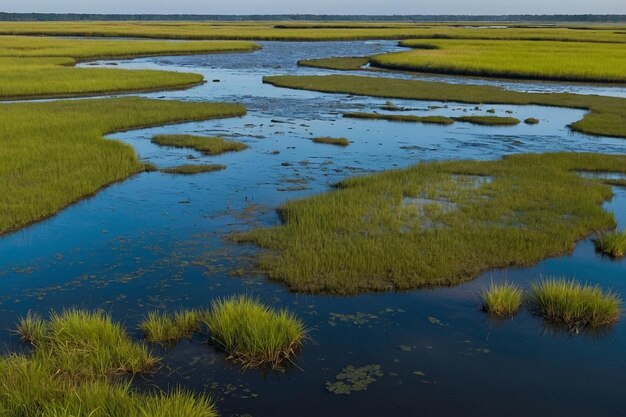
column 319, row 6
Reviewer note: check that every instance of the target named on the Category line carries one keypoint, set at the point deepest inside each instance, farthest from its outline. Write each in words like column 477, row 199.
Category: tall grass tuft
column 502, row 300
column 613, row 244
column 254, row 334
column 32, row 328
column 577, row 306
column 164, row 328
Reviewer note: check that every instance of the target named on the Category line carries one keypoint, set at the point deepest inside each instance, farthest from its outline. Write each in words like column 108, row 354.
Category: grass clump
column 575, row 305
column 439, row 120
column 613, row 244
column 336, row 63
column 502, row 300
column 531, row 121
column 606, row 116
column 166, row 328
column 189, row 169
column 488, row 120
column 332, row 141
column 254, row 334
column 206, row 145
column 437, row 223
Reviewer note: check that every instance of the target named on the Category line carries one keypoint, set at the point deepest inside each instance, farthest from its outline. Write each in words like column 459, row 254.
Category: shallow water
column 161, row 241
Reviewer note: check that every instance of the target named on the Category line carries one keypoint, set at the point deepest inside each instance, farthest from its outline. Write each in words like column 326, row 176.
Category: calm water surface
column 159, row 241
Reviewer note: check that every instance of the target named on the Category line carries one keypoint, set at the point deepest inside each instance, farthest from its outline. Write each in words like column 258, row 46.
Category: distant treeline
column 20, row 17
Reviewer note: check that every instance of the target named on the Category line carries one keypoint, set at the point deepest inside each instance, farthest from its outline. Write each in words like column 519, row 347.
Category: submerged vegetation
column 70, row 372
column 437, row 223
column 190, row 169
column 206, row 145
column 575, row 305
column 613, row 244
column 607, row 115
column 254, row 334
column 502, row 300
column 332, row 141
column 53, row 153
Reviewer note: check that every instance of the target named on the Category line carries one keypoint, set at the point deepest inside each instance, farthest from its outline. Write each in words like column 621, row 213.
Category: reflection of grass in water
column 365, row 237
column 332, row 141
column 613, row 244
column 606, row 116
column 502, row 300
column 254, row 334
column 189, row 169
column 68, row 373
column 206, row 145
column 575, row 305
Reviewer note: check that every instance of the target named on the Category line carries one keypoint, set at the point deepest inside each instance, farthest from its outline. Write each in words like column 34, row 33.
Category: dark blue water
column 158, row 241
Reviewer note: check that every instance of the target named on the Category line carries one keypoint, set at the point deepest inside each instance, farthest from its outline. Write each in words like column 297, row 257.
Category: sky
column 385, row 7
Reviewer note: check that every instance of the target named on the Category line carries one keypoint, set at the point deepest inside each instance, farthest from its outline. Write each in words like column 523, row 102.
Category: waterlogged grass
column 170, row 328
column 206, row 145
column 69, row 372
column 607, row 115
column 575, row 305
column 488, row 120
column 254, row 334
column 561, row 61
column 53, row 153
column 613, row 244
column 351, row 63
column 332, row 141
column 43, row 67
column 190, row 169
column 531, row 121
column 438, row 120
column 437, row 223
column 502, row 300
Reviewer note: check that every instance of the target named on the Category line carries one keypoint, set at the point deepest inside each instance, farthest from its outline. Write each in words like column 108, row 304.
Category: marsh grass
column 189, row 169
column 577, row 306
column 606, row 116
column 488, row 120
column 439, row 120
column 336, row 63
column 253, row 334
column 501, row 300
column 343, row 142
column 612, row 244
column 206, row 145
column 436, row 223
column 531, row 121
column 170, row 328
column 44, row 146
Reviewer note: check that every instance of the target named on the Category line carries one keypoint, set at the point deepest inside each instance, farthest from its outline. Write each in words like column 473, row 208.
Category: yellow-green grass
column 613, row 244
column 562, row 61
column 488, row 120
column 254, row 334
column 607, row 115
column 32, row 67
column 531, row 121
column 439, row 223
column 206, row 145
column 53, row 153
column 73, row 370
column 501, row 300
column 272, row 30
column 192, row 169
column 438, row 120
column 577, row 306
column 169, row 328
column 337, row 63
column 332, row 141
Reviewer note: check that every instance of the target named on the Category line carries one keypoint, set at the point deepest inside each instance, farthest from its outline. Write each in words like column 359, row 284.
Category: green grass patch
column 170, row 328
column 206, row 145
column 607, row 116
column 501, row 300
column 254, row 334
column 613, row 244
column 531, row 121
column 190, row 169
column 53, row 153
column 332, row 141
column 349, row 63
column 488, row 120
column 560, row 61
column 438, row 120
column 437, row 223
column 574, row 305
